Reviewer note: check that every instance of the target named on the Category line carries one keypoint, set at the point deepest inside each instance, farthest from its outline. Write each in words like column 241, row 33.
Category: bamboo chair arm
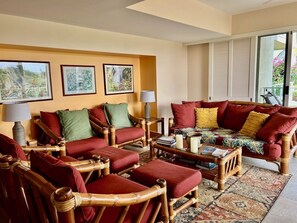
column 137, row 121
column 59, row 140
column 97, row 121
column 113, row 200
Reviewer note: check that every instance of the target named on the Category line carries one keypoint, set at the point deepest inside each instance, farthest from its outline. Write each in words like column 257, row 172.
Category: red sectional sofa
column 239, row 123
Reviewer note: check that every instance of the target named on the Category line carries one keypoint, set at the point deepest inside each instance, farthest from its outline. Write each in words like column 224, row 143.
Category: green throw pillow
column 118, row 115
column 75, row 124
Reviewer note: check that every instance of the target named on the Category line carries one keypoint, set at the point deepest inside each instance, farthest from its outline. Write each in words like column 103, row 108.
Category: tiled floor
column 284, row 209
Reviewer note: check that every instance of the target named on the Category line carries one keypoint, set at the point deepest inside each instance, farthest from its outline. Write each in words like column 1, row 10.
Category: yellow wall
column 71, row 57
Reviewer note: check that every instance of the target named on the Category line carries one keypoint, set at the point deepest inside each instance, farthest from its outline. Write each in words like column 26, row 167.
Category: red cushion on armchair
column 11, row 147
column 62, row 175
column 128, row 134
column 78, row 148
column 114, row 184
column 51, row 119
column 99, row 113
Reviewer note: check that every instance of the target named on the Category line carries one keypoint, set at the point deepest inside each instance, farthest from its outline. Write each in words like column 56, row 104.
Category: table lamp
column 16, row 112
column 147, row 97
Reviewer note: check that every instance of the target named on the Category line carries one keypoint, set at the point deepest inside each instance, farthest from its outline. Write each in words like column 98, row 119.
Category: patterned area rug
column 245, row 199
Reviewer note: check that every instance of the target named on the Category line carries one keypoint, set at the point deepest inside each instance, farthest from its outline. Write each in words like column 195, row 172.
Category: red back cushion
column 236, row 115
column 277, row 125
column 11, row 147
column 51, row 119
column 221, row 105
column 184, row 115
column 267, row 109
column 99, row 113
column 197, row 103
column 288, row 111
column 61, row 175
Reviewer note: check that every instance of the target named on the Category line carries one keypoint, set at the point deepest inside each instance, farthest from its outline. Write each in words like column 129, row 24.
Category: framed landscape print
column 118, row 79
column 78, row 79
column 24, row 81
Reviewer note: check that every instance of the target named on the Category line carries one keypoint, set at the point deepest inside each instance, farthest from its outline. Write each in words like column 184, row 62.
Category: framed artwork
column 24, row 81
column 118, row 79
column 78, row 80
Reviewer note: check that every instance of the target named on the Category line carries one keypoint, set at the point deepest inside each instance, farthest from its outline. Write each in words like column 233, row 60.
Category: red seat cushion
column 62, row 175
column 99, row 113
column 221, row 105
column 277, row 125
column 11, row 147
column 120, row 159
column 78, row 148
column 114, row 184
column 128, row 134
column 180, row 180
column 184, row 115
column 236, row 115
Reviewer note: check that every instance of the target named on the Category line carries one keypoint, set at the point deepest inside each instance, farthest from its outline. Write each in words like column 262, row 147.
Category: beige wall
column 171, row 57
column 198, row 72
column 265, row 19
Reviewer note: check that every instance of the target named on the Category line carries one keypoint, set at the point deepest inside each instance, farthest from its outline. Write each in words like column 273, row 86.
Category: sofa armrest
column 97, row 121
column 288, row 142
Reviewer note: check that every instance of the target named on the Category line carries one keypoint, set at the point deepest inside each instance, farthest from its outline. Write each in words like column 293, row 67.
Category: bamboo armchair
column 43, row 202
column 60, row 141
column 115, row 133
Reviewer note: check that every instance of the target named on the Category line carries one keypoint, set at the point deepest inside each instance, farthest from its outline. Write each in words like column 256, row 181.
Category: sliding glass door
column 277, row 68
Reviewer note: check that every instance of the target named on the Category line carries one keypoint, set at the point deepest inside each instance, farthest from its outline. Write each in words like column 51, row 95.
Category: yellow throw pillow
column 253, row 123
column 206, row 117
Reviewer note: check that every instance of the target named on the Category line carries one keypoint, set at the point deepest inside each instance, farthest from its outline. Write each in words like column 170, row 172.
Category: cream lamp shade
column 16, row 112
column 147, row 97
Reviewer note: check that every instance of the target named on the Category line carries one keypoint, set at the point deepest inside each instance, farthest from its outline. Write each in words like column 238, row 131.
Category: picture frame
column 118, row 79
column 25, row 81
column 78, row 79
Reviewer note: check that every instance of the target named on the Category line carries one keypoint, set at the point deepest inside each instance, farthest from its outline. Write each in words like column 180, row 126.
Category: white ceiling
column 114, row 16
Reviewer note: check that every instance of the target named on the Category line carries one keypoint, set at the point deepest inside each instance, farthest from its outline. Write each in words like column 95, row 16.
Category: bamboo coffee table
column 227, row 166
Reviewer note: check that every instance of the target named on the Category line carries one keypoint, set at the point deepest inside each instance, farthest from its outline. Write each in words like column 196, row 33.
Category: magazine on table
column 166, row 140
column 205, row 165
column 213, row 151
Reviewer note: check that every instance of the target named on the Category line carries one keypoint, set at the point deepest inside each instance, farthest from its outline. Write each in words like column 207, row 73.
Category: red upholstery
column 184, row 115
column 114, row 184
column 10, row 147
column 221, row 105
column 98, row 112
column 78, row 148
column 272, row 151
column 267, row 109
column 277, row 125
column 180, row 180
column 128, row 134
column 62, row 175
column 288, row 111
column 236, row 115
column 120, row 159
column 197, row 103
column 51, row 119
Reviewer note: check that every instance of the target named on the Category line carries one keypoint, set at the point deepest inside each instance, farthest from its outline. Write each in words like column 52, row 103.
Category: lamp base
column 147, row 110
column 18, row 132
